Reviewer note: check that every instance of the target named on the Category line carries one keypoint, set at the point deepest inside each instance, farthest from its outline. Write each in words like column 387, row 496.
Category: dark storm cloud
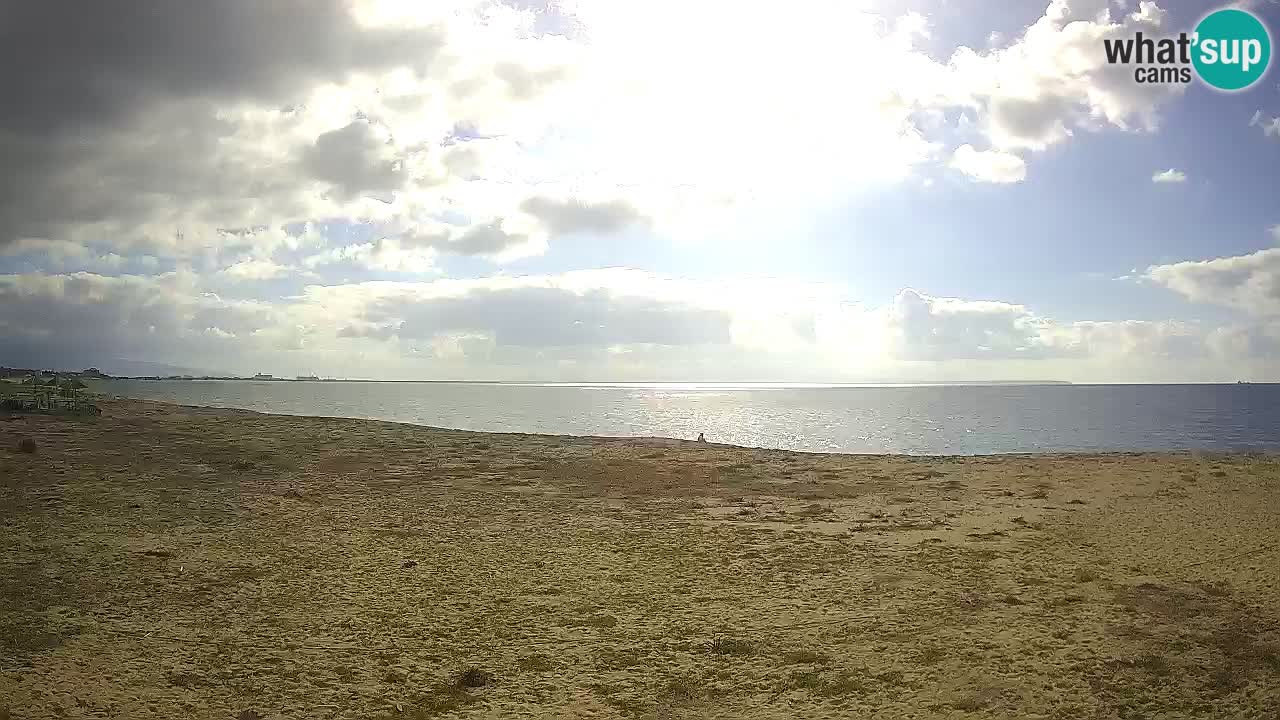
column 110, row 114
column 547, row 317
column 72, row 65
column 173, row 163
column 78, row 319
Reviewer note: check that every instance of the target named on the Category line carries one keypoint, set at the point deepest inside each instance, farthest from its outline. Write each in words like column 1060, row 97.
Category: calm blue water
column 918, row 420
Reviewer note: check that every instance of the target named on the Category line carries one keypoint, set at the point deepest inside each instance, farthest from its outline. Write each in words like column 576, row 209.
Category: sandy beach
column 172, row 562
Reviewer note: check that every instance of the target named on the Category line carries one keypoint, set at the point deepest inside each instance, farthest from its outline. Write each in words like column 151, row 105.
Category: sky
column 596, row 190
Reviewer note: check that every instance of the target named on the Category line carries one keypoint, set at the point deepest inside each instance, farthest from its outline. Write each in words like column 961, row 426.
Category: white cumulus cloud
column 1169, row 176
column 992, row 166
column 1247, row 282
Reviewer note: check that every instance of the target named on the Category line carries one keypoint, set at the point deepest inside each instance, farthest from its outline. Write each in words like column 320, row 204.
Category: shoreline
column 166, row 560
column 1206, row 452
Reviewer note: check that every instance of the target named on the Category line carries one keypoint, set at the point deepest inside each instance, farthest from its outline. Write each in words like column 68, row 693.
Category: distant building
column 264, row 376
column 308, row 377
column 92, row 372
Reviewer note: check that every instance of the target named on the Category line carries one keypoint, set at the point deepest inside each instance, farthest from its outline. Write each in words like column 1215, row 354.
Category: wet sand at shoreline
column 163, row 561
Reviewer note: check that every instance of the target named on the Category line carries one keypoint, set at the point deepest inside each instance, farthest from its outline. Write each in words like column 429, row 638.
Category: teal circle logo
column 1232, row 49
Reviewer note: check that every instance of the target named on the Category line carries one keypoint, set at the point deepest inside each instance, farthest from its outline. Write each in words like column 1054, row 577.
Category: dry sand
column 174, row 562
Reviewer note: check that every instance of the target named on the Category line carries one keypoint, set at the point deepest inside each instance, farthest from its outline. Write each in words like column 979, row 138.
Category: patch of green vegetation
column 725, row 645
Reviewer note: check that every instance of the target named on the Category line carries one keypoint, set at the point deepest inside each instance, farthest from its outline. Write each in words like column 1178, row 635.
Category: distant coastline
column 585, row 383
column 11, row 373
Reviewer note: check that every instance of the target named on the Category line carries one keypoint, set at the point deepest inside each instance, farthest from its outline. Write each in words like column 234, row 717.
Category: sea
column 910, row 419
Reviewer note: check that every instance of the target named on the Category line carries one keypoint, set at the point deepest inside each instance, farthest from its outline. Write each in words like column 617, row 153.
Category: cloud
column 518, row 125
column 132, row 123
column 927, row 328
column 613, row 323
column 1169, row 176
column 1028, row 122
column 65, row 65
column 58, row 250
column 580, row 314
column 355, row 161
column 1054, row 79
column 389, row 254
column 1270, row 126
column 493, row 238
column 1130, row 340
column 1243, row 342
column 1246, row 282
column 415, row 248
column 298, row 142
column 933, row 328
column 487, row 239
column 256, row 270
column 545, row 317
column 524, row 83
column 188, row 167
column 573, row 215
column 590, row 319
column 992, row 166
column 80, row 318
